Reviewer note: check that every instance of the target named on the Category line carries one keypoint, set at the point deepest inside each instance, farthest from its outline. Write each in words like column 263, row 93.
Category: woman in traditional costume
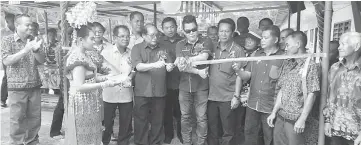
column 83, row 107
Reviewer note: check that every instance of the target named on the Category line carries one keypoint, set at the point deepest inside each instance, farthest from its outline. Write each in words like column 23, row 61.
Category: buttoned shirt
column 23, row 74
column 264, row 77
column 134, row 40
column 120, row 61
column 343, row 107
column 290, row 84
column 173, row 77
column 222, row 77
column 5, row 32
column 193, row 82
column 151, row 83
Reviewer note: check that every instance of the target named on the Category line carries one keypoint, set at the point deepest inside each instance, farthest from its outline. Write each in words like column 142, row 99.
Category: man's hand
column 159, row 64
column 299, row 126
column 328, row 129
column 236, row 66
column 37, row 43
column 203, row 73
column 244, row 101
column 169, row 66
column 234, row 103
column 358, row 139
column 270, row 119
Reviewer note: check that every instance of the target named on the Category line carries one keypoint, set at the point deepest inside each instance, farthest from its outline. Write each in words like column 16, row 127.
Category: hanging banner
column 191, row 6
column 187, row 7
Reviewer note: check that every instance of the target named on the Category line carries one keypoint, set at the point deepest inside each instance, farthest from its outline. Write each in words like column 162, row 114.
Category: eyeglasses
column 122, row 37
column 152, row 36
column 191, row 30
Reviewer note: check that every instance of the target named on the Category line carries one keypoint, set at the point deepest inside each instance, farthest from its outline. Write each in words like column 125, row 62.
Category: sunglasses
column 191, row 30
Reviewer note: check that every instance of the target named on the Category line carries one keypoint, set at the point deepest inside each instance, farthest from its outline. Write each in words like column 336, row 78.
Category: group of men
column 167, row 84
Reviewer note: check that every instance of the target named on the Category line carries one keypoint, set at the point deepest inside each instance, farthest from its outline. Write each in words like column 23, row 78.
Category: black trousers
column 336, row 140
column 240, row 122
column 221, row 111
column 4, row 87
column 125, row 119
column 172, row 109
column 57, row 116
column 148, row 111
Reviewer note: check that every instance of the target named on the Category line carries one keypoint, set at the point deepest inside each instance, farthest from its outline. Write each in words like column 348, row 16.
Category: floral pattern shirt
column 343, row 107
column 24, row 73
column 290, row 84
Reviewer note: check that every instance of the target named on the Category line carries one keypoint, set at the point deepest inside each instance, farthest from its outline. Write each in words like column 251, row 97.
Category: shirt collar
column 277, row 52
column 176, row 38
column 187, row 42
column 353, row 66
column 115, row 49
column 145, row 45
column 17, row 37
column 228, row 49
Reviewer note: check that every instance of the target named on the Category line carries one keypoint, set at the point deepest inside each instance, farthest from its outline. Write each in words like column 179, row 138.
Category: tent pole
column 325, row 68
column 46, row 26
column 64, row 43
column 289, row 17
column 155, row 14
column 110, row 31
column 298, row 16
column 356, row 9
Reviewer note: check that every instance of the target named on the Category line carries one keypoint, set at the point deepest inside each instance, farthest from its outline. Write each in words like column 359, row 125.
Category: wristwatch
column 238, row 97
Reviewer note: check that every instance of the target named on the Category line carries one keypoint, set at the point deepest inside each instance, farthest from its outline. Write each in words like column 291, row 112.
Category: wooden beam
column 116, row 4
column 212, row 4
column 155, row 14
column 110, row 13
column 231, row 11
column 145, row 9
column 298, row 16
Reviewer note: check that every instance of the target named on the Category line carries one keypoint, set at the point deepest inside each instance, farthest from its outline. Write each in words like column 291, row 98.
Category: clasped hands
column 160, row 64
column 33, row 45
column 117, row 80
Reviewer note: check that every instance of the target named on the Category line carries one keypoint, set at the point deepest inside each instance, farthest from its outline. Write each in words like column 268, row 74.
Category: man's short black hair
column 299, row 35
column 116, row 29
column 228, row 21
column 212, row 27
column 266, row 19
column 9, row 16
column 52, row 30
column 189, row 19
column 36, row 25
column 97, row 24
column 169, row 19
column 243, row 21
column 275, row 31
column 131, row 16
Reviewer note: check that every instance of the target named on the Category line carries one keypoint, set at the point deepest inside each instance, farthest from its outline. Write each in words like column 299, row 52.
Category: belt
column 286, row 120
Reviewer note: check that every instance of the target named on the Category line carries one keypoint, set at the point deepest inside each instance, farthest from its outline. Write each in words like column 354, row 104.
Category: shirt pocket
column 274, row 72
column 186, row 52
column 227, row 68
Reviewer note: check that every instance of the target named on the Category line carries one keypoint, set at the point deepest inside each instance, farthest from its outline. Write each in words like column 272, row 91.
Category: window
column 340, row 28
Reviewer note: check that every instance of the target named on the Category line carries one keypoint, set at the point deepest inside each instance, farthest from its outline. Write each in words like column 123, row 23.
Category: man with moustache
column 169, row 40
column 121, row 96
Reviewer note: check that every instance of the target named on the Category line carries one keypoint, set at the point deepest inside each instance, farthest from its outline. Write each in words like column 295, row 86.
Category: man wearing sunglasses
column 193, row 87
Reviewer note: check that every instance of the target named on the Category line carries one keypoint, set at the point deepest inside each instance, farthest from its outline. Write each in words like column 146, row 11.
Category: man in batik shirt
column 343, row 108
column 21, row 54
column 292, row 107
